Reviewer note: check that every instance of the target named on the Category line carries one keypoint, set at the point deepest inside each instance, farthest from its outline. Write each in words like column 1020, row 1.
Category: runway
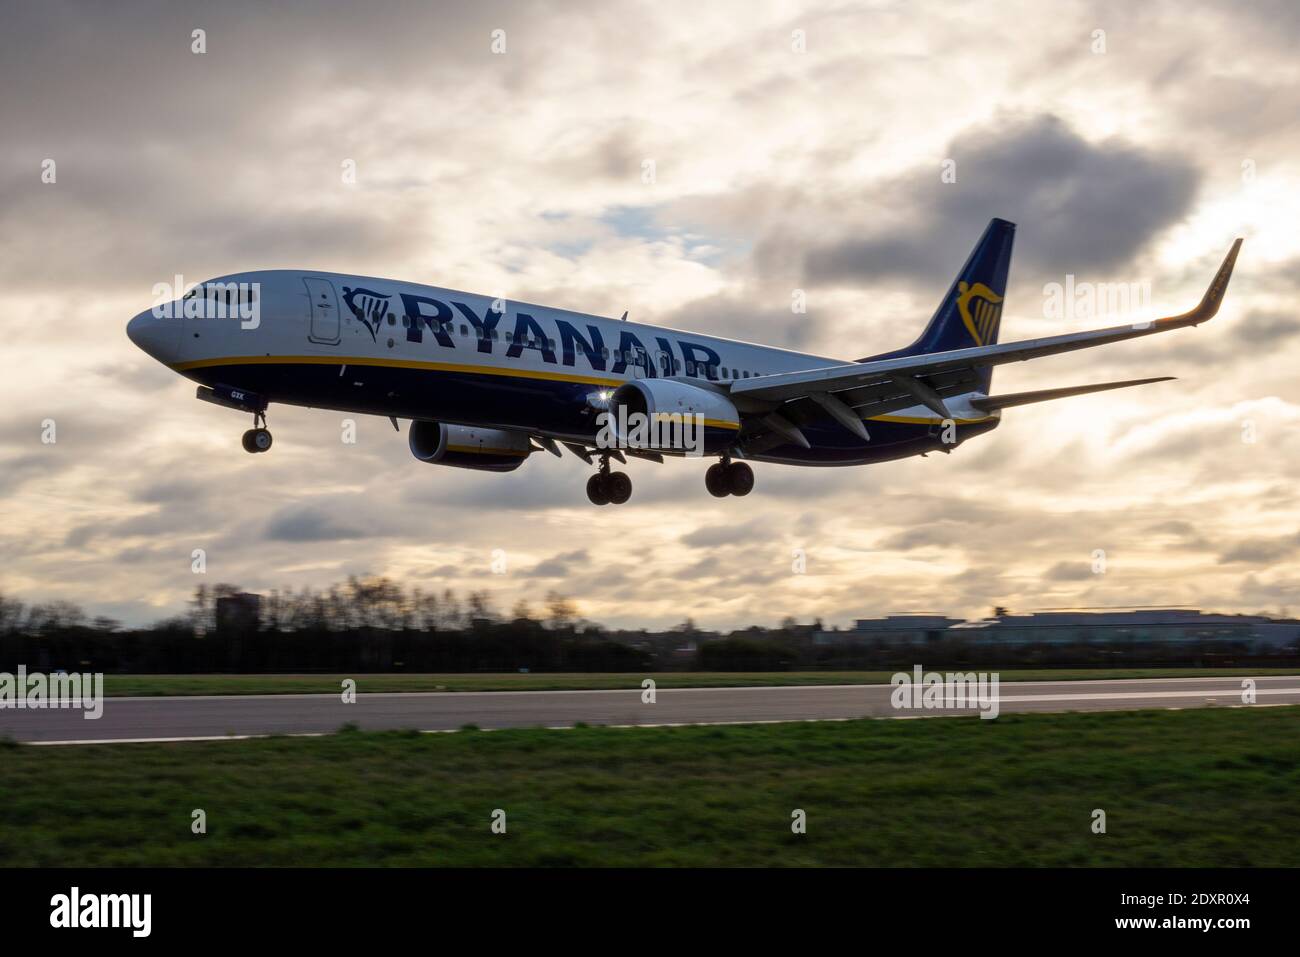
column 214, row 717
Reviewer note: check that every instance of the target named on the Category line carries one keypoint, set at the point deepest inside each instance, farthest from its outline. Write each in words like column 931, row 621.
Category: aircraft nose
column 135, row 329
column 155, row 335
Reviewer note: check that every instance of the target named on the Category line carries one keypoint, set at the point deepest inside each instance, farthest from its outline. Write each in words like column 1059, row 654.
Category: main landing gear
column 258, row 438
column 608, row 488
column 729, row 478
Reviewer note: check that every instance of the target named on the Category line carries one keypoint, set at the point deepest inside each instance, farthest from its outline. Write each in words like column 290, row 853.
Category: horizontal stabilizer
column 784, row 386
column 994, row 402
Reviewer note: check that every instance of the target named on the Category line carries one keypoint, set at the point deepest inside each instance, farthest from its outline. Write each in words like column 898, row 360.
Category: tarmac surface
column 209, row 717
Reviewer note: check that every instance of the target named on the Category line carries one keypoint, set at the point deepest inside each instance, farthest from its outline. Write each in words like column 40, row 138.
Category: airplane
column 485, row 383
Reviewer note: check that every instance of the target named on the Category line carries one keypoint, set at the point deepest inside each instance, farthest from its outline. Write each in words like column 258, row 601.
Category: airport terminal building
column 1171, row 626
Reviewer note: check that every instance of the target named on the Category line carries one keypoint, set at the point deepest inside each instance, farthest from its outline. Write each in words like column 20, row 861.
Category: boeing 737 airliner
column 485, row 382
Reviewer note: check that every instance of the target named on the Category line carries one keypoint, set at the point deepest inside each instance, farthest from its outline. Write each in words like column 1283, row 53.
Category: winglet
column 1214, row 295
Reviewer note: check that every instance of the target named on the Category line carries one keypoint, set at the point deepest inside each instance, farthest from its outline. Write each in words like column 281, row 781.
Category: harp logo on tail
column 982, row 319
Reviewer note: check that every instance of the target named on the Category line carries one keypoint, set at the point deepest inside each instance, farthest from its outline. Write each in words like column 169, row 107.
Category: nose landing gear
column 608, row 488
column 729, row 478
column 258, row 438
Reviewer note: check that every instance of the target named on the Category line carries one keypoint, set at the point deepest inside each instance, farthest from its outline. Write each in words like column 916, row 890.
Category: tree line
column 374, row 624
column 364, row 624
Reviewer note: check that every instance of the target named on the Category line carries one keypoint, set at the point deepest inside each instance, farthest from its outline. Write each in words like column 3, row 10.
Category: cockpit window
column 230, row 295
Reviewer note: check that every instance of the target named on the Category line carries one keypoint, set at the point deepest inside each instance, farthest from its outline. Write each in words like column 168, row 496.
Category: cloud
column 19, row 469
column 1262, row 550
column 1265, row 329
column 711, row 536
column 309, row 524
column 558, row 566
column 1070, row 572
column 939, row 533
column 1080, row 205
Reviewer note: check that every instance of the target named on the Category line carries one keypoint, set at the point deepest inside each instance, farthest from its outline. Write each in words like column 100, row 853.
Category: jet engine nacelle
column 491, row 450
column 667, row 415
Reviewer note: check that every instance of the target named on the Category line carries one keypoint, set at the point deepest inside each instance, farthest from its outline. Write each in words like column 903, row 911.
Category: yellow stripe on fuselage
column 397, row 364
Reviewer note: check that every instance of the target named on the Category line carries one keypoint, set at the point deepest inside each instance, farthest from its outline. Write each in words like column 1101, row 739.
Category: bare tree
column 561, row 612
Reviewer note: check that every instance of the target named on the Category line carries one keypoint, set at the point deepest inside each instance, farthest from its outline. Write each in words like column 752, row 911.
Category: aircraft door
column 325, row 325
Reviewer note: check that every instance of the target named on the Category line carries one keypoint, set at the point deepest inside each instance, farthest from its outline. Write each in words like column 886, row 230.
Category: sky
column 701, row 166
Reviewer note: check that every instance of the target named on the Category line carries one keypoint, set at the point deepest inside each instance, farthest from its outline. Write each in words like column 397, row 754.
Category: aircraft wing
column 924, row 379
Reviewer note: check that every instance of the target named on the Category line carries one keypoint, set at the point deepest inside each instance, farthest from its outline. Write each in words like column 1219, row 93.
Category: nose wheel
column 729, row 478
column 608, row 488
column 258, row 438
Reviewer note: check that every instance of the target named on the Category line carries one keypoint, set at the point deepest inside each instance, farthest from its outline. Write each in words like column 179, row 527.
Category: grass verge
column 1197, row 788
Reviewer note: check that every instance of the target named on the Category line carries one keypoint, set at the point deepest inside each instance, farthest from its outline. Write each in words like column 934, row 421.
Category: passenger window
column 392, row 319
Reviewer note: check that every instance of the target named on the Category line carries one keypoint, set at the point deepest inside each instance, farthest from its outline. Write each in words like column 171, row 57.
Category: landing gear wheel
column 598, row 489
column 257, row 440
column 740, row 478
column 715, row 480
column 619, row 487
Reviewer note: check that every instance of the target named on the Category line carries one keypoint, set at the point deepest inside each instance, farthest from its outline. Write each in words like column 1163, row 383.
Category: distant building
column 892, row 630
column 239, row 613
column 1170, row 625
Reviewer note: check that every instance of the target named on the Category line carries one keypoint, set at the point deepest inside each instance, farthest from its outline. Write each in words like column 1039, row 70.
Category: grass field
column 1180, row 788
column 135, row 685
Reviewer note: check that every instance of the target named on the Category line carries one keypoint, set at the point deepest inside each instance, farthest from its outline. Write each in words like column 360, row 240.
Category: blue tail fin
column 971, row 312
